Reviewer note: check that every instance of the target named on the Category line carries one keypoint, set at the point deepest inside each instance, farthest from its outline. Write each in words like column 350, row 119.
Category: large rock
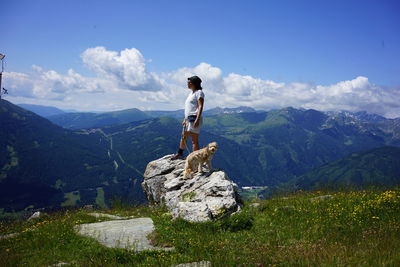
column 206, row 196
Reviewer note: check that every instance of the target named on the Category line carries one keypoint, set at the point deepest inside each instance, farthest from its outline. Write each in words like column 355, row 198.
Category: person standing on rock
column 193, row 119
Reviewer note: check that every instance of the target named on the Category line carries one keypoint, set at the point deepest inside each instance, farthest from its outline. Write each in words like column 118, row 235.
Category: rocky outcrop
column 206, row 196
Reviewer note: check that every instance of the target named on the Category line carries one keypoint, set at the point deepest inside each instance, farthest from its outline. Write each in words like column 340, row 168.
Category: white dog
column 196, row 159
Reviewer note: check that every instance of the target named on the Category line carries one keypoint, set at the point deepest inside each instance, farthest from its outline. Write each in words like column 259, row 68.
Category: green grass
column 100, row 198
column 351, row 229
column 71, row 198
column 251, row 194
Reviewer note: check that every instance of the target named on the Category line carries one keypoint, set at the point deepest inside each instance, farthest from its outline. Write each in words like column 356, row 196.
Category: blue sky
column 318, row 43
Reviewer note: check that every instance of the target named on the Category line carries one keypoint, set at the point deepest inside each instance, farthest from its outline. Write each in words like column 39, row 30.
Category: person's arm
column 200, row 103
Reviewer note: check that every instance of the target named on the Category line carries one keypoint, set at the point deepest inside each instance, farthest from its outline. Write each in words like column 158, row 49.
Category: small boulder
column 88, row 207
column 37, row 214
column 285, row 208
column 8, row 235
column 110, row 216
column 321, row 198
column 194, row 264
column 61, row 263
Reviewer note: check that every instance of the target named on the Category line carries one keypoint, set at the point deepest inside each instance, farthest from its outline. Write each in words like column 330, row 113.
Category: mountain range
column 98, row 156
column 44, row 165
column 80, row 120
column 44, row 111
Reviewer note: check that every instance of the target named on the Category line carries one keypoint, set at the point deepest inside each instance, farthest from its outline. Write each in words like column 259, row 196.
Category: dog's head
column 212, row 147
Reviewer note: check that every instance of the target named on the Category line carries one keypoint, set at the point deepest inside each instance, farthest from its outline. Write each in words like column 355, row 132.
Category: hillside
column 267, row 148
column 304, row 229
column 92, row 165
column 48, row 166
column 140, row 142
column 289, row 142
column 44, row 165
column 80, row 120
column 43, row 111
column 378, row 167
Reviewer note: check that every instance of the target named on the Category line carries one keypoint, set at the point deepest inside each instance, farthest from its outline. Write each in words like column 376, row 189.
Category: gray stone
column 285, row 208
column 206, row 196
column 130, row 234
column 321, row 198
column 255, row 204
column 159, row 167
column 154, row 188
column 110, row 216
column 192, row 211
column 88, row 207
column 174, row 184
column 35, row 215
column 8, row 236
column 61, row 263
column 194, row 264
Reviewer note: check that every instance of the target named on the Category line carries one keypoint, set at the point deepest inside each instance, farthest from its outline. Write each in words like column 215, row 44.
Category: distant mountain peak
column 225, row 110
column 363, row 116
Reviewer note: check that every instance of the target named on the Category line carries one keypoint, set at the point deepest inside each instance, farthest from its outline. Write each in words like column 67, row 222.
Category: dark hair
column 196, row 81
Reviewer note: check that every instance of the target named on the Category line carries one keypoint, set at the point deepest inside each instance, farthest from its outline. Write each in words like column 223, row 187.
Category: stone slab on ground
column 110, row 216
column 255, row 204
column 321, row 198
column 8, row 235
column 194, row 264
column 129, row 234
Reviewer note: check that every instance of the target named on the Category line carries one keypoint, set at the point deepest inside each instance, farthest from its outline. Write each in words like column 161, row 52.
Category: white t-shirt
column 191, row 105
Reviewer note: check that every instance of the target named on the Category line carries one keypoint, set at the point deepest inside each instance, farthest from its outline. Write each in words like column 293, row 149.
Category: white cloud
column 50, row 84
column 19, row 84
column 121, row 80
column 127, row 69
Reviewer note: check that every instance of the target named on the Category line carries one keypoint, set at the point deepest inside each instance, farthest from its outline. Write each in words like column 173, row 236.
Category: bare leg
column 183, row 141
column 195, row 141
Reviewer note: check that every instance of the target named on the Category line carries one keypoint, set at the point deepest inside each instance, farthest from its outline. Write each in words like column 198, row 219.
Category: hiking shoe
column 177, row 156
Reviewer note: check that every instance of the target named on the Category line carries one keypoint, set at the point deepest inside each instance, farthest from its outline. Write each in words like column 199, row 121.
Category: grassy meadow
column 359, row 228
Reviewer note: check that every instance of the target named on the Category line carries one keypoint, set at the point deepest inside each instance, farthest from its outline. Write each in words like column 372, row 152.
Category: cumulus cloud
column 123, row 78
column 127, row 68
column 352, row 95
column 20, row 84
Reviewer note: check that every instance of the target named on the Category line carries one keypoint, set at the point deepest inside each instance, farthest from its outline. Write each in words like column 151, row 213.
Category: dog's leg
column 209, row 165
column 187, row 173
column 185, row 169
column 190, row 173
column 200, row 169
column 193, row 168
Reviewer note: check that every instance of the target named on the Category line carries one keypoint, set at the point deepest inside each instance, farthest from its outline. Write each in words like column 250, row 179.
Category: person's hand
column 196, row 123
column 183, row 122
